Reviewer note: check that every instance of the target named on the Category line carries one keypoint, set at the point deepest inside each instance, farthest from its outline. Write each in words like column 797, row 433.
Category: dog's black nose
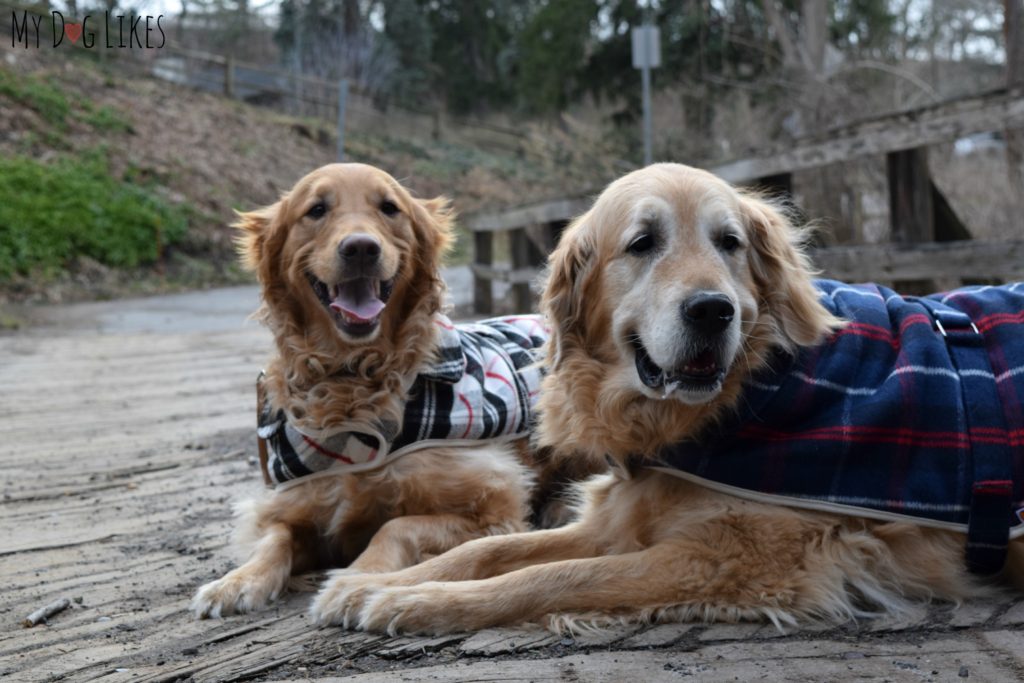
column 708, row 314
column 359, row 250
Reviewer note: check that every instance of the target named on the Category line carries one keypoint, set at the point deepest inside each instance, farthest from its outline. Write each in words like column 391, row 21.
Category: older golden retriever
column 349, row 266
column 669, row 256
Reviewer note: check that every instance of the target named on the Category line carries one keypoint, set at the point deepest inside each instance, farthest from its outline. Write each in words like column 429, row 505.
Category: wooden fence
column 931, row 246
column 287, row 91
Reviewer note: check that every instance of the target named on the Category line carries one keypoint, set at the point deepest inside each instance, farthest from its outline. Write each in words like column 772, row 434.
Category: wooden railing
column 931, row 247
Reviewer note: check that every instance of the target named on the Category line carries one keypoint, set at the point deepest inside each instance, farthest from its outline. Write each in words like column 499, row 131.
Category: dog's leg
column 344, row 593
column 254, row 584
column 402, row 541
column 671, row 575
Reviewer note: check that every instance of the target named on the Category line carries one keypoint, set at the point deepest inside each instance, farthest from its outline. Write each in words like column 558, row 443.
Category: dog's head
column 676, row 285
column 341, row 246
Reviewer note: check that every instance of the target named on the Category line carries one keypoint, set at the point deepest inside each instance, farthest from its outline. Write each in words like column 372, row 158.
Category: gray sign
column 646, row 47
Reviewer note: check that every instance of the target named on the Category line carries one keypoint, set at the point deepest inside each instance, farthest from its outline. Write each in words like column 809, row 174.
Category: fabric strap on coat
column 988, row 529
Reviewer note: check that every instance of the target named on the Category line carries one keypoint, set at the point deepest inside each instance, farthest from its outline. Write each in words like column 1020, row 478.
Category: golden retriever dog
column 348, row 262
column 665, row 300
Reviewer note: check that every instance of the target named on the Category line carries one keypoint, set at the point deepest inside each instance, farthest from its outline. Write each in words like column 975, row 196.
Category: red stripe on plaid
column 900, row 436
column 536, row 323
column 983, row 324
column 872, row 332
column 999, row 487
column 915, row 319
column 469, row 407
column 987, row 322
column 331, row 454
column 494, row 375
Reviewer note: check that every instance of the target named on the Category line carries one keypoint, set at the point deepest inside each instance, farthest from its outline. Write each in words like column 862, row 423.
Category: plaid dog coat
column 912, row 412
column 481, row 385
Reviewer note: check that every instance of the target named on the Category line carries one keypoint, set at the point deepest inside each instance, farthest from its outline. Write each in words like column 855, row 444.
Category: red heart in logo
column 73, row 31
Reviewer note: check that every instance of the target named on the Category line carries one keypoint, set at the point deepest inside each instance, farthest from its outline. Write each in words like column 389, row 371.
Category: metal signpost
column 342, row 100
column 646, row 56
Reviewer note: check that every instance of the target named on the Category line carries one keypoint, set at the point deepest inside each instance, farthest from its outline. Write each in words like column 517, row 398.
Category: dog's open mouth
column 701, row 372
column 356, row 304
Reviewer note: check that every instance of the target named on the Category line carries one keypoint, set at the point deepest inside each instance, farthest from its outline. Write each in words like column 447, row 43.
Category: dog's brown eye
column 388, row 208
column 728, row 243
column 318, row 210
column 641, row 244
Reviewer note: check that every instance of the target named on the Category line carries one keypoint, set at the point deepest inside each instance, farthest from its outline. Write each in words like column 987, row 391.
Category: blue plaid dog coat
column 481, row 384
column 914, row 411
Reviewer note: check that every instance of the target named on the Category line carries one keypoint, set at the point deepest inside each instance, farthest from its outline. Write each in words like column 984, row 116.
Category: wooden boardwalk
column 126, row 434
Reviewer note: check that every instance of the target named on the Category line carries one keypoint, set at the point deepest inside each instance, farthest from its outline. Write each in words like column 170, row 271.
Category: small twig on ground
column 44, row 613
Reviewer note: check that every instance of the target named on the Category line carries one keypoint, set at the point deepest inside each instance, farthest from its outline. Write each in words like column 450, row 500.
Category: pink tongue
column 357, row 300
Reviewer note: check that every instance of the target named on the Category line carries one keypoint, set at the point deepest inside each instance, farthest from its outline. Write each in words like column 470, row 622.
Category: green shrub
column 105, row 119
column 50, row 213
column 44, row 96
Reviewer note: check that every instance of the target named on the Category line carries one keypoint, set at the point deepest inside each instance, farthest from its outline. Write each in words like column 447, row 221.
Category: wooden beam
column 906, row 130
column 948, row 226
column 524, row 255
column 942, row 122
column 968, row 259
column 532, row 214
column 775, row 185
column 504, row 274
column 911, row 211
column 483, row 255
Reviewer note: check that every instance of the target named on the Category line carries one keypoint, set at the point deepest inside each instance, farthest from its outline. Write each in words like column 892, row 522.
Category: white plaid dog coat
column 481, row 384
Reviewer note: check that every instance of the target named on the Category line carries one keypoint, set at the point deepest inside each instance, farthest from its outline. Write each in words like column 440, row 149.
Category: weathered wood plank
column 170, row 507
column 906, row 130
column 911, row 211
column 483, row 255
column 971, row 259
column 964, row 259
column 525, row 255
column 505, row 274
column 532, row 214
column 941, row 122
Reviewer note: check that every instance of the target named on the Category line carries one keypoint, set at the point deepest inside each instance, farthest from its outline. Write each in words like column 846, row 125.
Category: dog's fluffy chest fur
column 481, row 384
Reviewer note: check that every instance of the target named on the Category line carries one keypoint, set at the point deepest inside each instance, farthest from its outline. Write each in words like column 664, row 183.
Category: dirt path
column 126, row 434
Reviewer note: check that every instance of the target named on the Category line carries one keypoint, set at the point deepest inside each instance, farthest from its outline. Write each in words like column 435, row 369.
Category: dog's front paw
column 339, row 601
column 237, row 592
column 424, row 609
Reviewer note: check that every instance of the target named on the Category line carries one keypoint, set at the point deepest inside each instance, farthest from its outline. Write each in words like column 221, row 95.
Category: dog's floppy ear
column 254, row 230
column 569, row 269
column 434, row 222
column 783, row 274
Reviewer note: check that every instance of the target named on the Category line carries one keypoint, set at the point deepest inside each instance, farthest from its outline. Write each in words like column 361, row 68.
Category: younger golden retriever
column 366, row 369
column 666, row 299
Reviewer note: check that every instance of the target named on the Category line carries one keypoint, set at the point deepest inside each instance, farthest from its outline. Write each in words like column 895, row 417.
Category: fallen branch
column 44, row 613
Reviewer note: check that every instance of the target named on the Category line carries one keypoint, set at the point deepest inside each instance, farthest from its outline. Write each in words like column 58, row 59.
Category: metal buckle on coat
column 942, row 330
column 955, row 322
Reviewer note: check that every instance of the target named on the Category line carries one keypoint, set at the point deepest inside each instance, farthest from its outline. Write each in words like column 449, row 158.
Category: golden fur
column 421, row 504
column 652, row 546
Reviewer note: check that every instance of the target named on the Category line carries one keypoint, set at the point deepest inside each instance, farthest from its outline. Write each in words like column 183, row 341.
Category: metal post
column 645, row 76
column 646, row 56
column 342, row 97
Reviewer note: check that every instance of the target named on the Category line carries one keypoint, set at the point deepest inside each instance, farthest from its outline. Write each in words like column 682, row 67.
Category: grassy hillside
column 111, row 185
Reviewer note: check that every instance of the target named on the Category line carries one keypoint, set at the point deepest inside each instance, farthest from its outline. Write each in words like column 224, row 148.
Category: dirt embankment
column 212, row 155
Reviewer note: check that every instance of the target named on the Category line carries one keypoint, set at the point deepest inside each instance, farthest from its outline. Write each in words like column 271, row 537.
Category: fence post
column 483, row 254
column 229, row 76
column 525, row 255
column 342, row 100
